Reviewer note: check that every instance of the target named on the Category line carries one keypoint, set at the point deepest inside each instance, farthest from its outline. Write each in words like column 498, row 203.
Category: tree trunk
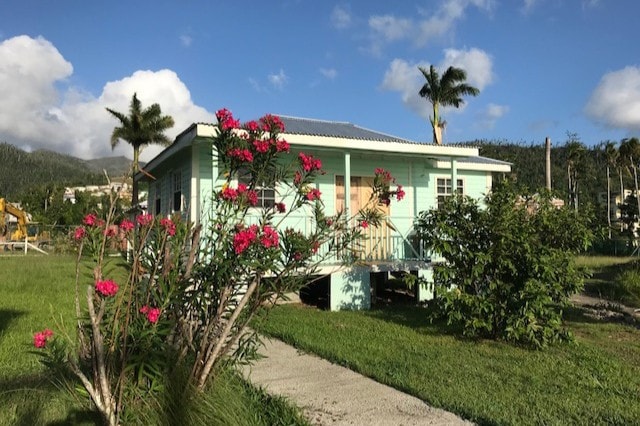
column 547, row 146
column 134, row 170
column 609, row 201
column 621, row 193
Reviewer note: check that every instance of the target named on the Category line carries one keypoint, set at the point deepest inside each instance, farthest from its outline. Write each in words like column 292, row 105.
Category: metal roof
column 339, row 129
column 483, row 160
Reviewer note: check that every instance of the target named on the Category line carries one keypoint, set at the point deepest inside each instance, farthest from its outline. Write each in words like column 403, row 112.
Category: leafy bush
column 508, row 266
column 626, row 287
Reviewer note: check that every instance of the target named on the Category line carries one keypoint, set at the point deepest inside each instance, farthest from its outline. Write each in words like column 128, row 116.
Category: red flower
column 90, row 220
column 168, row 226
column 79, row 233
column 241, row 154
column 229, row 194
column 126, row 225
column 282, row 145
column 269, row 237
column 152, row 314
column 144, row 219
column 251, row 126
column 41, row 337
column 107, row 288
column 252, row 198
column 272, row 123
column 314, row 194
column 261, row 146
column 110, row 232
column 297, row 178
column 364, row 224
column 309, row 163
column 281, row 207
column 244, row 238
column 226, row 120
column 400, row 193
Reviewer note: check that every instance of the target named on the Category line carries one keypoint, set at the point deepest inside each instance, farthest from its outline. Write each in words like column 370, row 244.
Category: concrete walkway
column 332, row 395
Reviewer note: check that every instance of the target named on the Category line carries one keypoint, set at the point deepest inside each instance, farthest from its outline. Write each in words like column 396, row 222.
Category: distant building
column 123, row 189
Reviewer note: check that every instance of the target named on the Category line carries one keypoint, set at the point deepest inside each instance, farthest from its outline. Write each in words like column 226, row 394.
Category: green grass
column 37, row 292
column 616, row 279
column 595, row 380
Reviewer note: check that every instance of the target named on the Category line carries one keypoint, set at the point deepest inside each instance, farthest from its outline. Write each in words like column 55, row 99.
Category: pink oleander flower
column 280, row 207
column 241, row 154
column 269, row 237
column 313, row 194
column 107, row 288
column 309, row 163
column 229, row 194
column 314, row 247
column 226, row 120
column 152, row 314
column 126, row 225
column 364, row 224
column 400, row 193
column 261, row 146
column 252, row 197
column 79, row 233
column 282, row 146
column 168, row 226
column 144, row 219
column 251, row 126
column 90, row 220
column 110, row 232
column 297, row 178
column 244, row 238
column 40, row 338
column 272, row 123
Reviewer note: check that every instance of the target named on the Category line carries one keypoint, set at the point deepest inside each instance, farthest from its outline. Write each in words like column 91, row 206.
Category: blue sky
column 544, row 67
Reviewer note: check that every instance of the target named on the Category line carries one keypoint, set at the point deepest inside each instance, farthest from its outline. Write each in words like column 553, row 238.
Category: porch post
column 347, row 183
column 454, row 175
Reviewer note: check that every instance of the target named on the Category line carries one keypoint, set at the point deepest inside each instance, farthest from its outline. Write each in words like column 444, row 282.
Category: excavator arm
column 21, row 231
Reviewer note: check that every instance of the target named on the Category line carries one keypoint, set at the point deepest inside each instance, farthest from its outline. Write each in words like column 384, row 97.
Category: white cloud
column 491, row 114
column 46, row 114
column 529, row 5
column 278, row 80
column 615, row 102
column 477, row 64
column 329, row 73
column 341, row 17
column 385, row 29
column 404, row 77
column 186, row 40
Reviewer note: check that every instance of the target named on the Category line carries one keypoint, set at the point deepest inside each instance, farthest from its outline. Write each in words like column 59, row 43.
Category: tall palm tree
column 140, row 128
column 445, row 91
column 575, row 151
column 611, row 160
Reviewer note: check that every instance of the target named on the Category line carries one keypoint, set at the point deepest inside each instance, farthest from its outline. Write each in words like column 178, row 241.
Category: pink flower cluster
column 169, row 226
column 144, row 219
column 309, row 163
column 280, row 207
column 243, row 155
column 313, row 194
column 269, row 237
column 272, row 124
column 382, row 182
column 231, row 194
column 79, row 233
column 244, row 238
column 126, row 225
column 251, row 126
column 226, row 120
column 107, row 288
column 41, row 337
column 261, row 146
column 152, row 314
column 90, row 220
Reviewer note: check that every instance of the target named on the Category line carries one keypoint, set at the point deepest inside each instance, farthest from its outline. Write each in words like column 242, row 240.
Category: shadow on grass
column 415, row 317
column 7, row 316
column 577, row 314
column 28, row 396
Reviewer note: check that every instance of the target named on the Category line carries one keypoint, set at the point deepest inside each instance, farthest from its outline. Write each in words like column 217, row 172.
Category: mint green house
column 186, row 173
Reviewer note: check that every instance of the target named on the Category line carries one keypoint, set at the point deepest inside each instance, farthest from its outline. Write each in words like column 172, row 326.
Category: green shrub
column 508, row 265
column 627, row 286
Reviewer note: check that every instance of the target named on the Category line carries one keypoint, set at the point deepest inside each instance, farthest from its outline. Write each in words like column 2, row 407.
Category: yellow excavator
column 24, row 230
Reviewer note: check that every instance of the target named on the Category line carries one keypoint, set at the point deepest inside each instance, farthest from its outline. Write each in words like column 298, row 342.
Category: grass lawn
column 35, row 293
column 595, row 380
column 606, row 278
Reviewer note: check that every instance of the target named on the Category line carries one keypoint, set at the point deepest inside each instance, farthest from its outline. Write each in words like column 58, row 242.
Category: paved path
column 332, row 395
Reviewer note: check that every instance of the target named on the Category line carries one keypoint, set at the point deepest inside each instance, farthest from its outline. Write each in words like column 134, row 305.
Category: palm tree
column 575, row 151
column 140, row 128
column 630, row 154
column 445, row 91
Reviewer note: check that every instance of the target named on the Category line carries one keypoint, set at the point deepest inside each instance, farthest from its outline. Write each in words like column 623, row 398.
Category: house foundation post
column 350, row 289
column 425, row 286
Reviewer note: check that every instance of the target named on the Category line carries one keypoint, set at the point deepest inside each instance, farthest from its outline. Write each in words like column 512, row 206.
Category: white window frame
column 266, row 194
column 448, row 190
column 176, row 187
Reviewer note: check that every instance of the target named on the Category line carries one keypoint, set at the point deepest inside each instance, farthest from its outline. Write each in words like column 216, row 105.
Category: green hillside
column 23, row 170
